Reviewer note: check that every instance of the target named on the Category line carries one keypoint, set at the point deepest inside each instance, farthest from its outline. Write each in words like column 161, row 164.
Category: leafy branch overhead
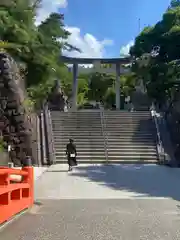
column 38, row 47
column 38, row 50
column 161, row 69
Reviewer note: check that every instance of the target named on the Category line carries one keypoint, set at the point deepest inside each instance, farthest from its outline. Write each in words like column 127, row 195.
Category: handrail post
column 53, row 155
column 104, row 132
column 160, row 148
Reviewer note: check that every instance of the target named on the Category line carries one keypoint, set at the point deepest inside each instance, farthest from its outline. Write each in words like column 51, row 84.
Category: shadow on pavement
column 146, row 180
column 50, row 171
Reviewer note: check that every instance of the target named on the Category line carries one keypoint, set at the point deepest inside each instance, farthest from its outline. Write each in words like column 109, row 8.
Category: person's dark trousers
column 72, row 162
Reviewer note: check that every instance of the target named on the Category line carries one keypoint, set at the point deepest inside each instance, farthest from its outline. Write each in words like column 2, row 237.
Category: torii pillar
column 117, row 87
column 75, row 86
column 75, row 61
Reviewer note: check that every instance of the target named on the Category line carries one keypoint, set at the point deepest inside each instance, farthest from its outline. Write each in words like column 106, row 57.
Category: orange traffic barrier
column 15, row 196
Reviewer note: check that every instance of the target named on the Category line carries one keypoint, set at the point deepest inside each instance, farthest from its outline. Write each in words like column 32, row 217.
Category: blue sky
column 103, row 28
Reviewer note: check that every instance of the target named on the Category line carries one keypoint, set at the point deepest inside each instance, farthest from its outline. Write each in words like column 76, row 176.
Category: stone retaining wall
column 15, row 124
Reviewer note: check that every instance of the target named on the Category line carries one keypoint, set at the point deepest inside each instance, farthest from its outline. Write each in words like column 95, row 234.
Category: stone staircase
column 130, row 136
column 119, row 136
column 86, row 130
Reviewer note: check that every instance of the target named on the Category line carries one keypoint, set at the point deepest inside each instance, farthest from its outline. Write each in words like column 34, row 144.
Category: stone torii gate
column 115, row 66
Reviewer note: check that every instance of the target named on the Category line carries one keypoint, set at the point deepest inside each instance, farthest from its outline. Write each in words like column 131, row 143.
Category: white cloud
column 88, row 44
column 124, row 51
column 49, row 6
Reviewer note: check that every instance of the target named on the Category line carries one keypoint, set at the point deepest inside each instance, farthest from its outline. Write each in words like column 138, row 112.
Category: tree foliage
column 101, row 87
column 110, row 97
column 98, row 84
column 38, row 47
column 157, row 49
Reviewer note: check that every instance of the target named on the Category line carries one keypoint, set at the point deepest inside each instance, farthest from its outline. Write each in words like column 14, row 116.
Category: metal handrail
column 52, row 137
column 160, row 147
column 106, row 136
column 103, row 124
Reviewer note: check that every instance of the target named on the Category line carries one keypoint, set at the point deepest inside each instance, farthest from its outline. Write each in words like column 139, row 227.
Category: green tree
column 128, row 83
column 175, row 3
column 99, row 83
column 110, row 97
column 157, row 70
column 38, row 48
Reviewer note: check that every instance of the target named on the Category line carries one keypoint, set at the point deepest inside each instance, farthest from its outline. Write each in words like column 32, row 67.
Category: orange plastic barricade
column 15, row 196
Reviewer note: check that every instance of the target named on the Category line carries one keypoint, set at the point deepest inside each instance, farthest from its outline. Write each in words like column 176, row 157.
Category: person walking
column 71, row 154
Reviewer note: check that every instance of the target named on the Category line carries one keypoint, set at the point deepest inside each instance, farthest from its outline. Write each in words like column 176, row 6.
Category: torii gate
column 115, row 65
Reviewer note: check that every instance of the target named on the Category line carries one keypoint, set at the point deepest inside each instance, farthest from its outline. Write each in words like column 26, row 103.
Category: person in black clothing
column 71, row 154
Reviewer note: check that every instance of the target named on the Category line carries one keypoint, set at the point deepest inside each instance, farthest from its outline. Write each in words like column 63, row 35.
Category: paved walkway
column 102, row 202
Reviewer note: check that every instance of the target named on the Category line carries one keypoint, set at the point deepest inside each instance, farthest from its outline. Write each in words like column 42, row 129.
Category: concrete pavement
column 103, row 202
column 109, row 181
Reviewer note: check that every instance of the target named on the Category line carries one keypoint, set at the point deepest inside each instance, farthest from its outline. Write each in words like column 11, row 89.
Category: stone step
column 118, row 132
column 99, row 124
column 101, row 132
column 106, row 112
column 111, row 161
column 96, row 116
column 79, row 135
column 76, row 128
column 71, row 119
column 127, row 114
column 102, row 136
column 115, row 158
column 95, row 147
column 112, row 147
column 77, row 113
column 116, row 119
column 111, row 152
column 91, row 129
column 74, row 124
column 75, row 121
column 121, row 152
column 107, row 125
column 127, row 123
column 93, row 117
column 113, row 122
column 137, row 135
column 127, row 142
column 98, row 113
column 109, row 119
column 97, row 130
column 100, row 142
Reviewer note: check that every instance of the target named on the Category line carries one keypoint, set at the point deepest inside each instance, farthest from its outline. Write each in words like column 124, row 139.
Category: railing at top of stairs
column 160, row 148
column 104, row 132
column 47, row 138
